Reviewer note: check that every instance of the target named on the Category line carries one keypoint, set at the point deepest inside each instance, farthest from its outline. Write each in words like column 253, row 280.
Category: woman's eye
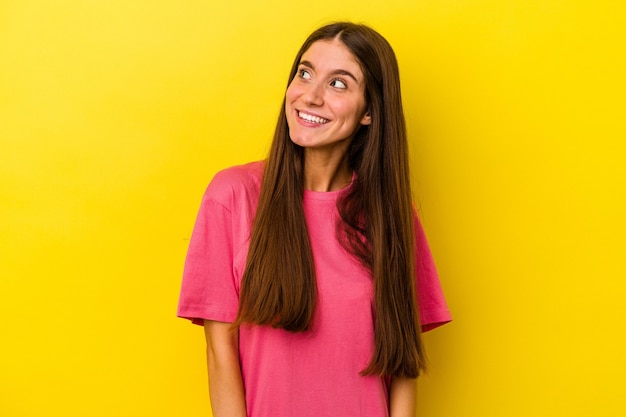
column 304, row 74
column 338, row 84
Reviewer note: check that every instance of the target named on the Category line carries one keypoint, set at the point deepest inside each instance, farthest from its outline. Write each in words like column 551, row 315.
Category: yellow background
column 114, row 115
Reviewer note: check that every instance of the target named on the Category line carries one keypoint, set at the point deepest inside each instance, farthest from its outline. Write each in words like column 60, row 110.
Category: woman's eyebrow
column 334, row 72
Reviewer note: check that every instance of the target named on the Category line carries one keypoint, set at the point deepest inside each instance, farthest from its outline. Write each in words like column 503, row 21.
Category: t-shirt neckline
column 328, row 195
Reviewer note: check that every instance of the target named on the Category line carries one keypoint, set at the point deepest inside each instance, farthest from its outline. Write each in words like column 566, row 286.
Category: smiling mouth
column 312, row 119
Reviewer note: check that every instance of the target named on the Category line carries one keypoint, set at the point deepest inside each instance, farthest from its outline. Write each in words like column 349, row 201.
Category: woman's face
column 325, row 102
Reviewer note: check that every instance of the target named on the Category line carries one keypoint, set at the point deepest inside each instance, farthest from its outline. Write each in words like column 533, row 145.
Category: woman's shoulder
column 240, row 174
column 235, row 183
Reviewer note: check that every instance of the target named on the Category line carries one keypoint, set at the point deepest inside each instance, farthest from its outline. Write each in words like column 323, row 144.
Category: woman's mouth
column 312, row 119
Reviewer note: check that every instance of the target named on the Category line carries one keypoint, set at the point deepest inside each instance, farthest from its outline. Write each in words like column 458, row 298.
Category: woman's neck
column 323, row 173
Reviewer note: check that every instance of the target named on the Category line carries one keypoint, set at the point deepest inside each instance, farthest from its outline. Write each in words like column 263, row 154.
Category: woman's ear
column 367, row 119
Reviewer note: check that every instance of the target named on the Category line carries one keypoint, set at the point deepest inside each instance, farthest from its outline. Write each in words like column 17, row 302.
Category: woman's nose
column 314, row 94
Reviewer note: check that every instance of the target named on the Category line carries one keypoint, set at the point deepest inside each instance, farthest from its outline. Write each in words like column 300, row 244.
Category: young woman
column 310, row 271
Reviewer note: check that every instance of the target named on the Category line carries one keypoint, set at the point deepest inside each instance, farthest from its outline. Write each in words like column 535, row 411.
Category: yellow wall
column 114, row 115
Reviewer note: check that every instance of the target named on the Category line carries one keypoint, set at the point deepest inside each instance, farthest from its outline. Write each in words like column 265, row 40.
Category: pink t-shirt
column 315, row 373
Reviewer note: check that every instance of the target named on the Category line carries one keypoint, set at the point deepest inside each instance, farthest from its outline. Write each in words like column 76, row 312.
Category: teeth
column 312, row 119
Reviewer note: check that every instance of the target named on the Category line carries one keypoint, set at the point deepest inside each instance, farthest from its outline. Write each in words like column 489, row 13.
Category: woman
column 304, row 269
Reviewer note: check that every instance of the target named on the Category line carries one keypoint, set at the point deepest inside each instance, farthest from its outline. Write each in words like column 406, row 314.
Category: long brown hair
column 278, row 286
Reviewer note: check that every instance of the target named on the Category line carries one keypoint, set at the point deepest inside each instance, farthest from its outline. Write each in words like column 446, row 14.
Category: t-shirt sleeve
column 209, row 289
column 432, row 304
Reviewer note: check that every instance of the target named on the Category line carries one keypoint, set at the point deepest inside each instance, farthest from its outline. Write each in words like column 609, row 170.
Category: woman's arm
column 402, row 397
column 225, row 382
